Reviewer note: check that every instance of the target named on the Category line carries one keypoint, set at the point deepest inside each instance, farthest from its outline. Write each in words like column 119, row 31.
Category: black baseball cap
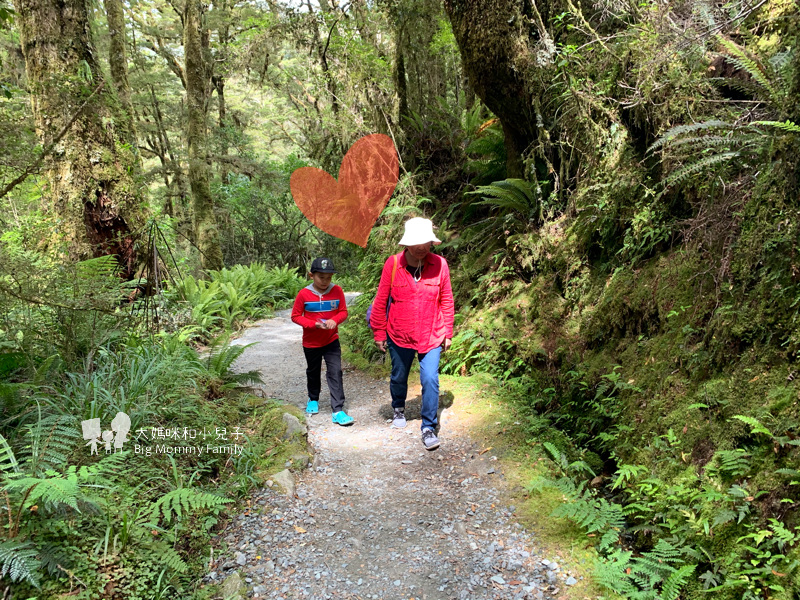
column 322, row 265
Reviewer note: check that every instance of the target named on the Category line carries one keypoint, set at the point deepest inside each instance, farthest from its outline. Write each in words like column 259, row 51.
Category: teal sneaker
column 341, row 418
column 312, row 407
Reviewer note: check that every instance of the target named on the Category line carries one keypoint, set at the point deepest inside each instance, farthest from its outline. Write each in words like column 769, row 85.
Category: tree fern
column 18, row 562
column 182, row 501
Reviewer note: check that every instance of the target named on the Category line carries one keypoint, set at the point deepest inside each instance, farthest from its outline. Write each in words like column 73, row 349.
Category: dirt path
column 377, row 516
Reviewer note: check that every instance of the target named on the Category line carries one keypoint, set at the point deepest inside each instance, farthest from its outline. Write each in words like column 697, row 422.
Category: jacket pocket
column 401, row 292
column 430, row 291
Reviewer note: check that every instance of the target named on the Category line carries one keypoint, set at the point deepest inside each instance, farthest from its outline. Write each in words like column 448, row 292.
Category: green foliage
column 177, row 503
column 233, row 296
column 516, row 208
column 708, row 145
column 656, row 575
column 219, row 361
column 18, row 562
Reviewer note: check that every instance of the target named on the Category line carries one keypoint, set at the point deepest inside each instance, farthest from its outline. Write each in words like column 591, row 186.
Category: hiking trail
column 376, row 516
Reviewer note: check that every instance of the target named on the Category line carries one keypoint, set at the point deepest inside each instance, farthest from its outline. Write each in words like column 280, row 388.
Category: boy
column 319, row 309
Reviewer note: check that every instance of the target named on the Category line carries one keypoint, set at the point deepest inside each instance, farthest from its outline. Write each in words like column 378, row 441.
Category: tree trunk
column 401, row 86
column 205, row 223
column 92, row 190
column 118, row 62
column 495, row 50
column 219, row 85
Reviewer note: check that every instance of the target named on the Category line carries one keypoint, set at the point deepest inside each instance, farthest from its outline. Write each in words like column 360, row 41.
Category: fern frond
column 19, row 562
column 743, row 61
column 53, row 491
column 697, row 167
column 8, row 461
column 679, row 130
column 733, row 462
column 787, row 126
column 755, row 425
column 102, row 266
column 184, row 500
column 170, row 558
column 50, row 442
column 674, row 584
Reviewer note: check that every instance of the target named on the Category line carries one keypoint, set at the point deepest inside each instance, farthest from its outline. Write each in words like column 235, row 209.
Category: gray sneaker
column 399, row 419
column 429, row 439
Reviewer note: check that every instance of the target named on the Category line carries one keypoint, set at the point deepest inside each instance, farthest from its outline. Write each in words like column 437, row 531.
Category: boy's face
column 321, row 280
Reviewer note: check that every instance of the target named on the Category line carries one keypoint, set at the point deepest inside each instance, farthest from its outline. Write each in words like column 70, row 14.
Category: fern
column 674, row 584
column 54, row 491
column 753, row 139
column 697, row 167
column 51, row 440
column 183, row 500
column 221, row 359
column 745, row 62
column 755, row 425
column 594, row 515
column 680, row 130
column 100, row 267
column 656, row 575
column 787, row 126
column 733, row 462
column 8, row 460
column 18, row 561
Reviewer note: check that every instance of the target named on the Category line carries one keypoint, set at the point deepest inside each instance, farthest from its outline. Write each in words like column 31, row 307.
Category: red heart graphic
column 348, row 208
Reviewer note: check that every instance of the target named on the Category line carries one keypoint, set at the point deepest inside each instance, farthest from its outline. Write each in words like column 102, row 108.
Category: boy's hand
column 330, row 324
column 381, row 345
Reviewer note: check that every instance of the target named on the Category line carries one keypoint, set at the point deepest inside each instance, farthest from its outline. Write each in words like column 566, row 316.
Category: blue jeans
column 428, row 375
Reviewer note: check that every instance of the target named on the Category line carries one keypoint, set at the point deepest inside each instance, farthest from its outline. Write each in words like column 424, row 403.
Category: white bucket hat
column 419, row 231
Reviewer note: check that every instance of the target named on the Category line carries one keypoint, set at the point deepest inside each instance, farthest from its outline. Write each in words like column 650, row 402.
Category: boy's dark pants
column 332, row 353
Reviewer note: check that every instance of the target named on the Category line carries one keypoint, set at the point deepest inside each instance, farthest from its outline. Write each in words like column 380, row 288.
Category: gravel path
column 377, row 516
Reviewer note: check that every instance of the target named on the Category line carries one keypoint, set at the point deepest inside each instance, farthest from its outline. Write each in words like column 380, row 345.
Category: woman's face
column 419, row 251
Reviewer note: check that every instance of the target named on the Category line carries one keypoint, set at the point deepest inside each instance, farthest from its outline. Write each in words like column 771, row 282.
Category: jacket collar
column 404, row 263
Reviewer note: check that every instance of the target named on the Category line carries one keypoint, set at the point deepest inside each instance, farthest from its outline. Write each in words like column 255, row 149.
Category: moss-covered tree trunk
column 197, row 82
column 93, row 195
column 118, row 62
column 493, row 38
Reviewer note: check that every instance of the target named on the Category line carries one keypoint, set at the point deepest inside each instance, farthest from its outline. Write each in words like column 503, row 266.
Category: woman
column 415, row 287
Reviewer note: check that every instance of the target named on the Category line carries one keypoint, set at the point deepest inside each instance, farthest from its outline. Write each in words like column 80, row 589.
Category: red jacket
column 310, row 306
column 421, row 313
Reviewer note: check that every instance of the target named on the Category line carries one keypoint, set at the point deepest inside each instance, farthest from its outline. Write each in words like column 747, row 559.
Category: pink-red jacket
column 421, row 313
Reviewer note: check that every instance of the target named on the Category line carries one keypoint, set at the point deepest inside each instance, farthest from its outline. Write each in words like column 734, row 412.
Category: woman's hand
column 446, row 344
column 381, row 344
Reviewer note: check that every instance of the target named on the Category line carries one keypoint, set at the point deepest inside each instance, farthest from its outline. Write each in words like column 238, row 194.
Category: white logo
column 324, row 264
column 120, row 427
